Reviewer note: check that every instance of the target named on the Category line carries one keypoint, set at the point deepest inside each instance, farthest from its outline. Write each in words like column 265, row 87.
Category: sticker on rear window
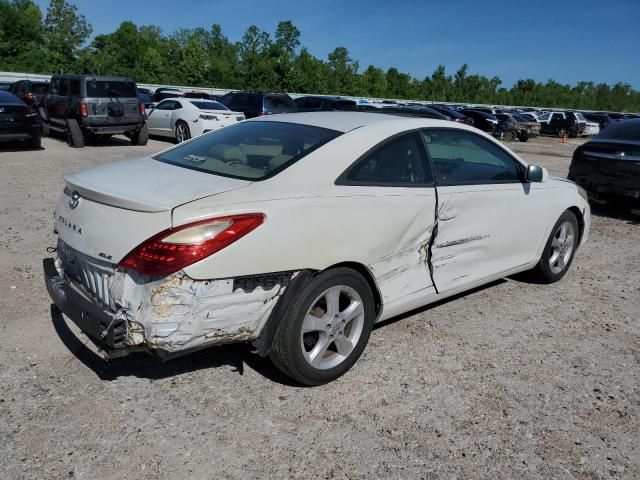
column 195, row 159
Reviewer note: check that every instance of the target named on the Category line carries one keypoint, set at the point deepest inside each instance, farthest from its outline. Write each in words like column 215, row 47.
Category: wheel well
column 368, row 276
column 576, row 211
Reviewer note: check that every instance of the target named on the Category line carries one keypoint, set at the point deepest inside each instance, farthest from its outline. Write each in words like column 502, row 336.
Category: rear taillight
column 29, row 96
column 263, row 114
column 84, row 109
column 141, row 108
column 177, row 248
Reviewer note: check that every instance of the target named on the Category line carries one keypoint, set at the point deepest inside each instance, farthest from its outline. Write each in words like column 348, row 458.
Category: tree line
column 56, row 41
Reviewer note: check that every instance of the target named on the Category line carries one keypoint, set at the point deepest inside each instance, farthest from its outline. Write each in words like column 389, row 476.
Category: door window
column 169, row 105
column 463, row 158
column 398, row 162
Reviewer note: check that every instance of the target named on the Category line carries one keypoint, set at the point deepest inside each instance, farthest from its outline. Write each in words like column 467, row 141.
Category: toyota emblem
column 74, row 200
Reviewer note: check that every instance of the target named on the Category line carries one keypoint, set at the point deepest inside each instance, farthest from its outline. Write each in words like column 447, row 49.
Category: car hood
column 147, row 185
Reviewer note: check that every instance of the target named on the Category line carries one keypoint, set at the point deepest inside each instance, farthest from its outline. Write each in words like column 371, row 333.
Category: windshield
column 108, row 89
column 203, row 105
column 249, row 151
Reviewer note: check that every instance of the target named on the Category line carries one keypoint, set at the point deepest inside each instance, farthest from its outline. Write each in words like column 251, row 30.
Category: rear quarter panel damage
column 179, row 313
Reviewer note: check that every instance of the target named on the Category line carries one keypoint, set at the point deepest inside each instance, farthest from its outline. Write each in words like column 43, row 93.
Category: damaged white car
column 298, row 232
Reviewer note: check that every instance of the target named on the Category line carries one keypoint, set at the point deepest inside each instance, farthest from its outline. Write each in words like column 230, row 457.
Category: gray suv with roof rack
column 87, row 107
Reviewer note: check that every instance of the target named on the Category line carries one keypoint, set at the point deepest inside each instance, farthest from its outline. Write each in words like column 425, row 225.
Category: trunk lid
column 106, row 211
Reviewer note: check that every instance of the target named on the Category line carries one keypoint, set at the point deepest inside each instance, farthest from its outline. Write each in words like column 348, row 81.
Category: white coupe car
column 183, row 118
column 298, row 232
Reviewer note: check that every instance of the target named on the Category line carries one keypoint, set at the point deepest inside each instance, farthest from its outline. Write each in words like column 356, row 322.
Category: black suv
column 30, row 92
column 89, row 106
column 258, row 104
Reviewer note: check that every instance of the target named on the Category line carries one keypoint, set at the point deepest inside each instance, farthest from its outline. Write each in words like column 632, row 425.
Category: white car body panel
column 163, row 122
column 407, row 238
column 592, row 128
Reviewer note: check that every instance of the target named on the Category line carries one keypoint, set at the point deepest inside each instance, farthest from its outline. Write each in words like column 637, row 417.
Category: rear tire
column 74, row 134
column 325, row 328
column 141, row 137
column 559, row 250
column 182, row 132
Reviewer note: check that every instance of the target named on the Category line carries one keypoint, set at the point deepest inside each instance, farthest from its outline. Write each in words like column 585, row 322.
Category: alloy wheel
column 332, row 327
column 562, row 247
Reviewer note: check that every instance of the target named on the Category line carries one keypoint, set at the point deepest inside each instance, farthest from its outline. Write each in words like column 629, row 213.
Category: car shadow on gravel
column 143, row 365
column 418, row 310
column 94, row 142
column 616, row 213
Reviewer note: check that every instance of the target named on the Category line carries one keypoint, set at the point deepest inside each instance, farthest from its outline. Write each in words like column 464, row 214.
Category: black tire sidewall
column 545, row 269
column 295, row 362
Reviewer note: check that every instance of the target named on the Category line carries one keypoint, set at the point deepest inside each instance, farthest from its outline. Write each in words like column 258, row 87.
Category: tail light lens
column 141, row 108
column 84, row 109
column 176, row 248
column 263, row 113
column 29, row 96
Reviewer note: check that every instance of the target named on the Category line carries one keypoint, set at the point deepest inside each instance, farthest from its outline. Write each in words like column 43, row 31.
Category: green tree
column 342, row 73
column 64, row 32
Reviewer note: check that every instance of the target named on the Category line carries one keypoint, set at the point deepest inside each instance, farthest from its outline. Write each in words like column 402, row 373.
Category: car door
column 391, row 189
column 159, row 119
column 488, row 220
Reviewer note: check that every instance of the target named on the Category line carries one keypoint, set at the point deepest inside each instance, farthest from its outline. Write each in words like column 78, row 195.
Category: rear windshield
column 208, row 105
column 108, row 89
column 7, row 98
column 626, row 130
column 249, row 151
column 279, row 104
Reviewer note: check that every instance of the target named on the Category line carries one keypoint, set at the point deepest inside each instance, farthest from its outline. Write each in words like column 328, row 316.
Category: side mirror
column 536, row 174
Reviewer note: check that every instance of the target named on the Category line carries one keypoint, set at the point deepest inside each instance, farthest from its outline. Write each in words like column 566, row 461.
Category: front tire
column 325, row 328
column 559, row 251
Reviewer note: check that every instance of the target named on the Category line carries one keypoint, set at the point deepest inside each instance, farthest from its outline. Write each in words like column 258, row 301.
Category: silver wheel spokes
column 181, row 134
column 332, row 327
column 562, row 247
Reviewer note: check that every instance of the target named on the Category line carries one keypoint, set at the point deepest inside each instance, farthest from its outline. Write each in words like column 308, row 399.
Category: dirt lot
column 510, row 381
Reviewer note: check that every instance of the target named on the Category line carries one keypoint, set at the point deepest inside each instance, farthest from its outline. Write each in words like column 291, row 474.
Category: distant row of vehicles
column 87, row 108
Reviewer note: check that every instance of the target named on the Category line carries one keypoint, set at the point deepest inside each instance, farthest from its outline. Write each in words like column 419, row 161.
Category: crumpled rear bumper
column 105, row 329
column 167, row 316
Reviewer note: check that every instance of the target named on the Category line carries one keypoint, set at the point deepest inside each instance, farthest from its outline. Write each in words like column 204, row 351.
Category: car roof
column 347, row 121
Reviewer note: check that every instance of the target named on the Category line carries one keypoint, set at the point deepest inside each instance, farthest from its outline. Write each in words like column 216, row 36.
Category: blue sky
column 566, row 40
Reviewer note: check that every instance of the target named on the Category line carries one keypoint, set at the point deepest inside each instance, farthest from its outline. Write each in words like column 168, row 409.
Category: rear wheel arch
column 368, row 276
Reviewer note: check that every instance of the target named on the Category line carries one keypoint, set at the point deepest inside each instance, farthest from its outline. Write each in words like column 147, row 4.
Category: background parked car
column 608, row 165
column 602, row 118
column 19, row 121
column 406, row 110
column 162, row 93
column 30, row 92
column 453, row 114
column 254, row 104
column 5, row 85
column 482, row 120
column 85, row 106
column 561, row 123
column 313, row 104
column 183, row 118
column 523, row 127
column 205, row 95
column 591, row 129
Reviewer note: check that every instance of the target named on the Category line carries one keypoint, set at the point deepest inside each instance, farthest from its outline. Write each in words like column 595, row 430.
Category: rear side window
column 74, row 88
column 398, row 162
column 110, row 88
column 249, row 151
column 462, row 158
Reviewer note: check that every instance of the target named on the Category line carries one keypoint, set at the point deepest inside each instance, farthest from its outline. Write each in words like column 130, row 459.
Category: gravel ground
column 510, row 381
